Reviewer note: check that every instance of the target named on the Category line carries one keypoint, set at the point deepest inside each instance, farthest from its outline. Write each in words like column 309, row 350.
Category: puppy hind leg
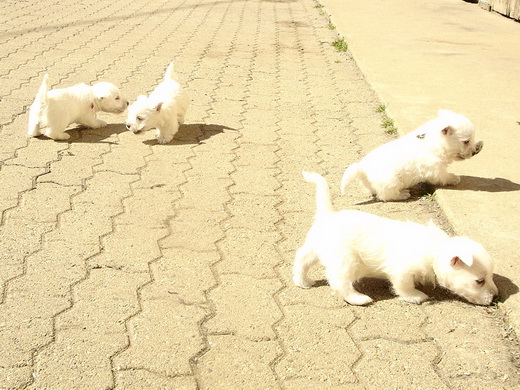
column 33, row 130
column 305, row 258
column 342, row 280
column 388, row 193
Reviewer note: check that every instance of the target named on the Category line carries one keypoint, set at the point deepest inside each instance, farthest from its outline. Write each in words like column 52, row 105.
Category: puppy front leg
column 56, row 133
column 404, row 287
column 444, row 178
column 165, row 135
column 91, row 121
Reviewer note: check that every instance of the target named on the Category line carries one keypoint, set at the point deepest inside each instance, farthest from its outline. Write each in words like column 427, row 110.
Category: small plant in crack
column 388, row 125
column 330, row 26
column 318, row 5
column 429, row 196
column 381, row 108
column 387, row 122
column 340, row 45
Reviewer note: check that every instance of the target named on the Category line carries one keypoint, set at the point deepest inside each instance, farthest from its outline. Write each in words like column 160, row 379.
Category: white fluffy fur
column 420, row 156
column 56, row 109
column 164, row 109
column 353, row 245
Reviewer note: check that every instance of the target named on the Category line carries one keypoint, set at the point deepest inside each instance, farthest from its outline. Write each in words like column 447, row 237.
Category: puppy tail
column 44, row 88
column 170, row 73
column 35, row 111
column 323, row 202
column 350, row 173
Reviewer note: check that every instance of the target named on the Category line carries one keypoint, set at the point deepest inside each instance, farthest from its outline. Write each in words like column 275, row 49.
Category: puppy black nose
column 128, row 127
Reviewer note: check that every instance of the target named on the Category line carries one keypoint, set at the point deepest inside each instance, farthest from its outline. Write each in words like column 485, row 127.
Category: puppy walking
column 353, row 245
column 420, row 156
column 56, row 109
column 164, row 109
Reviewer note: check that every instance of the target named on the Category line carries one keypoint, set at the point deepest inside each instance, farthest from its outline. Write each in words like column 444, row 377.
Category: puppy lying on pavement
column 353, row 245
column 420, row 156
column 164, row 109
column 56, row 109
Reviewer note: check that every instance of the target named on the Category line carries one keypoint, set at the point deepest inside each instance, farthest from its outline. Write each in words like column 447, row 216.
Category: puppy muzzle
column 133, row 129
column 471, row 153
column 478, row 147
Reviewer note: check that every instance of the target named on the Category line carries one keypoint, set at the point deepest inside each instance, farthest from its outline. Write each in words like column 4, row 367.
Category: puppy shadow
column 416, row 192
column 506, row 287
column 467, row 183
column 381, row 290
column 473, row 183
column 92, row 136
column 193, row 133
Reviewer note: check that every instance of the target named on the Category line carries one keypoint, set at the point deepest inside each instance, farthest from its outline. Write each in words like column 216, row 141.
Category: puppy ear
column 457, row 260
column 158, row 106
column 448, row 130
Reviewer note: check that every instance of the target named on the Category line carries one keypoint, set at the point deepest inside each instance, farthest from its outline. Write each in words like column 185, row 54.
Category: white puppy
column 353, row 245
column 420, row 156
column 58, row 108
column 164, row 109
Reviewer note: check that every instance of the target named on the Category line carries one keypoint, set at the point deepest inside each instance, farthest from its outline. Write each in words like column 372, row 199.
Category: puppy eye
column 117, row 98
column 466, row 142
column 139, row 118
column 480, row 282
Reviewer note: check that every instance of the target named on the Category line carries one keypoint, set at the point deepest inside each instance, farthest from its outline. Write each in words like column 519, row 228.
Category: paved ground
column 131, row 265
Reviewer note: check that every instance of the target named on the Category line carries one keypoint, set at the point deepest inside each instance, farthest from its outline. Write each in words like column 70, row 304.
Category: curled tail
column 323, row 202
column 350, row 173
column 35, row 111
column 170, row 73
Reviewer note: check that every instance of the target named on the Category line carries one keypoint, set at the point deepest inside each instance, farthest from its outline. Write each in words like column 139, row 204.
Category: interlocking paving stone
column 125, row 264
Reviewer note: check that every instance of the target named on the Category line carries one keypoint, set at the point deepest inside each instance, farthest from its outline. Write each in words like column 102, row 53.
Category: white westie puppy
column 420, row 156
column 56, row 109
column 353, row 245
column 164, row 109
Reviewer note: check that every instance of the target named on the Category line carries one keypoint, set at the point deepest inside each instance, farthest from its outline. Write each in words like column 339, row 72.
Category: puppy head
column 108, row 98
column 143, row 114
column 454, row 134
column 466, row 268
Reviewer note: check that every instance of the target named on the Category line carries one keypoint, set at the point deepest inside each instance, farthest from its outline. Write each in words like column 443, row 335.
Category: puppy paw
column 403, row 195
column 163, row 139
column 453, row 180
column 358, row 299
column 58, row 136
column 100, row 123
column 303, row 282
column 415, row 296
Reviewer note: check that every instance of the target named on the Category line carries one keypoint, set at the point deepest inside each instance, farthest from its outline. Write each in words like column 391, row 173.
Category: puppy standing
column 353, row 245
column 58, row 108
column 421, row 156
column 164, row 109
